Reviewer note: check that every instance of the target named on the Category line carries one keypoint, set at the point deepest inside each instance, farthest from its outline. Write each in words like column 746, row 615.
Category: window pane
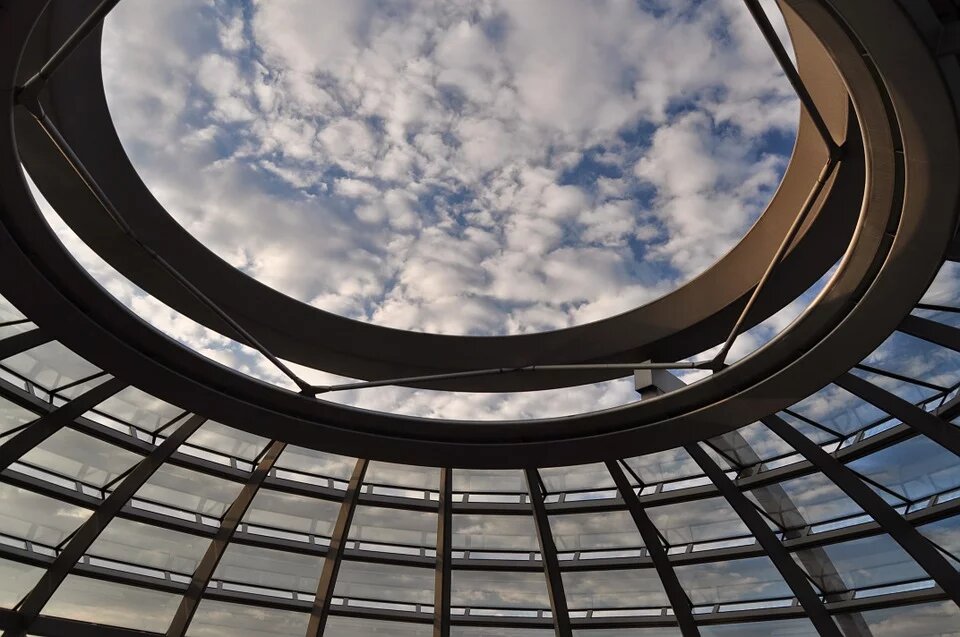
column 489, row 481
column 269, row 568
column 228, row 441
column 138, row 408
column 16, row 580
column 629, row 632
column 872, row 561
column 290, row 512
column 357, row 627
column 150, row 546
column 945, row 289
column 96, row 601
column 50, row 365
column 733, row 581
column 215, row 619
column 915, row 358
column 190, row 490
column 808, row 500
column 633, row 588
column 939, row 619
column 319, row 463
column 385, row 582
column 782, row 628
column 394, row 526
column 488, row 589
column 697, row 521
column 479, row 631
column 836, row 409
column 946, row 535
column 13, row 415
column 30, row 516
column 664, row 466
column 402, row 475
column 584, row 477
column 916, row 468
column 495, row 533
column 79, row 456
column 595, row 531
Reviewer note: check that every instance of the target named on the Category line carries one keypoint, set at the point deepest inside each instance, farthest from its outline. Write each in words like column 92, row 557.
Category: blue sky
column 459, row 166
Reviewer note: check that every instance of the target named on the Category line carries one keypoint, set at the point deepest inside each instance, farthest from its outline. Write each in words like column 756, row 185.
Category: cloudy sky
column 457, row 166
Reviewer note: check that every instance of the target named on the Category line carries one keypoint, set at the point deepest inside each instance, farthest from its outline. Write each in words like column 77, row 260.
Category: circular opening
column 463, row 168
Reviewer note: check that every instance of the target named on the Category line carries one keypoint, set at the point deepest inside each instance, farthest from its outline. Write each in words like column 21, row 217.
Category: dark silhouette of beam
column 651, row 540
column 18, row 343
column 548, row 554
column 228, row 526
column 338, row 542
column 931, row 331
column 792, row 574
column 904, row 533
column 441, row 592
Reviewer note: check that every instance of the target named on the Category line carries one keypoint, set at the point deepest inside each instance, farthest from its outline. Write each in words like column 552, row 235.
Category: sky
column 463, row 167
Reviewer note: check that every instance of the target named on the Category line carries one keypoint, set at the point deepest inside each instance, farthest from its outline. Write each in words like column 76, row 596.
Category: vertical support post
column 228, row 527
column 90, row 530
column 651, row 540
column 331, row 565
column 792, row 574
column 548, row 554
column 441, row 590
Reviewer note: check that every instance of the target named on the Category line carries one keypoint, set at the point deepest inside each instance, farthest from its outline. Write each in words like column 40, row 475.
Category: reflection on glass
column 914, row 469
column 30, row 516
column 90, row 600
column 489, row 589
column 595, row 531
column 872, row 561
column 268, row 568
column 12, row 416
column 150, row 546
column 394, row 526
column 939, row 619
column 139, row 409
column 633, row 588
column 385, row 582
column 190, row 490
column 81, row 457
column 216, row 619
column 494, row 533
column 754, row 578
column 697, row 521
column 291, row 512
column 16, row 580
column 228, row 441
column 359, row 627
column 315, row 462
column 50, row 366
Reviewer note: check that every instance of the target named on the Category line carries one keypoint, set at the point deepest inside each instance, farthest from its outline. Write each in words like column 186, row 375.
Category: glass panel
column 96, row 601
column 945, row 289
column 190, row 490
column 915, row 469
column 946, row 535
column 629, row 632
column 8, row 312
column 939, row 619
column 30, row 516
column 836, row 409
column 916, row 358
column 150, row 546
column 872, row 561
column 7, row 331
column 489, row 589
column 215, row 619
column 138, row 408
column 13, row 415
column 50, row 365
column 950, row 318
column 357, row 627
column 228, row 441
column 808, row 500
column 734, row 581
column 664, row 466
column 269, row 568
column 480, row 631
column 697, row 521
column 584, row 477
column 385, row 582
column 634, row 588
column 16, row 580
column 292, row 512
column 489, row 481
column 81, row 457
column 316, row 462
column 753, row 443
column 394, row 526
column 402, row 475
column 780, row 628
column 495, row 533
column 595, row 531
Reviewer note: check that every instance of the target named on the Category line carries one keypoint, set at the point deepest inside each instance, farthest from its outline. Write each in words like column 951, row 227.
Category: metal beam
column 902, row 531
column 548, row 555
column 90, row 530
column 926, row 423
column 651, row 540
column 792, row 574
column 13, row 345
column 338, row 542
column 50, row 423
column 441, row 586
column 931, row 331
column 228, row 526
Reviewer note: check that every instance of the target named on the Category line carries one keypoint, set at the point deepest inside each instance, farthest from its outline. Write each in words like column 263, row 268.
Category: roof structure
column 808, row 488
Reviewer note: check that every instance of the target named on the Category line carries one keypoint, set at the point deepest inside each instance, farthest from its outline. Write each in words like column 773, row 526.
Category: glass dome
column 810, row 488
